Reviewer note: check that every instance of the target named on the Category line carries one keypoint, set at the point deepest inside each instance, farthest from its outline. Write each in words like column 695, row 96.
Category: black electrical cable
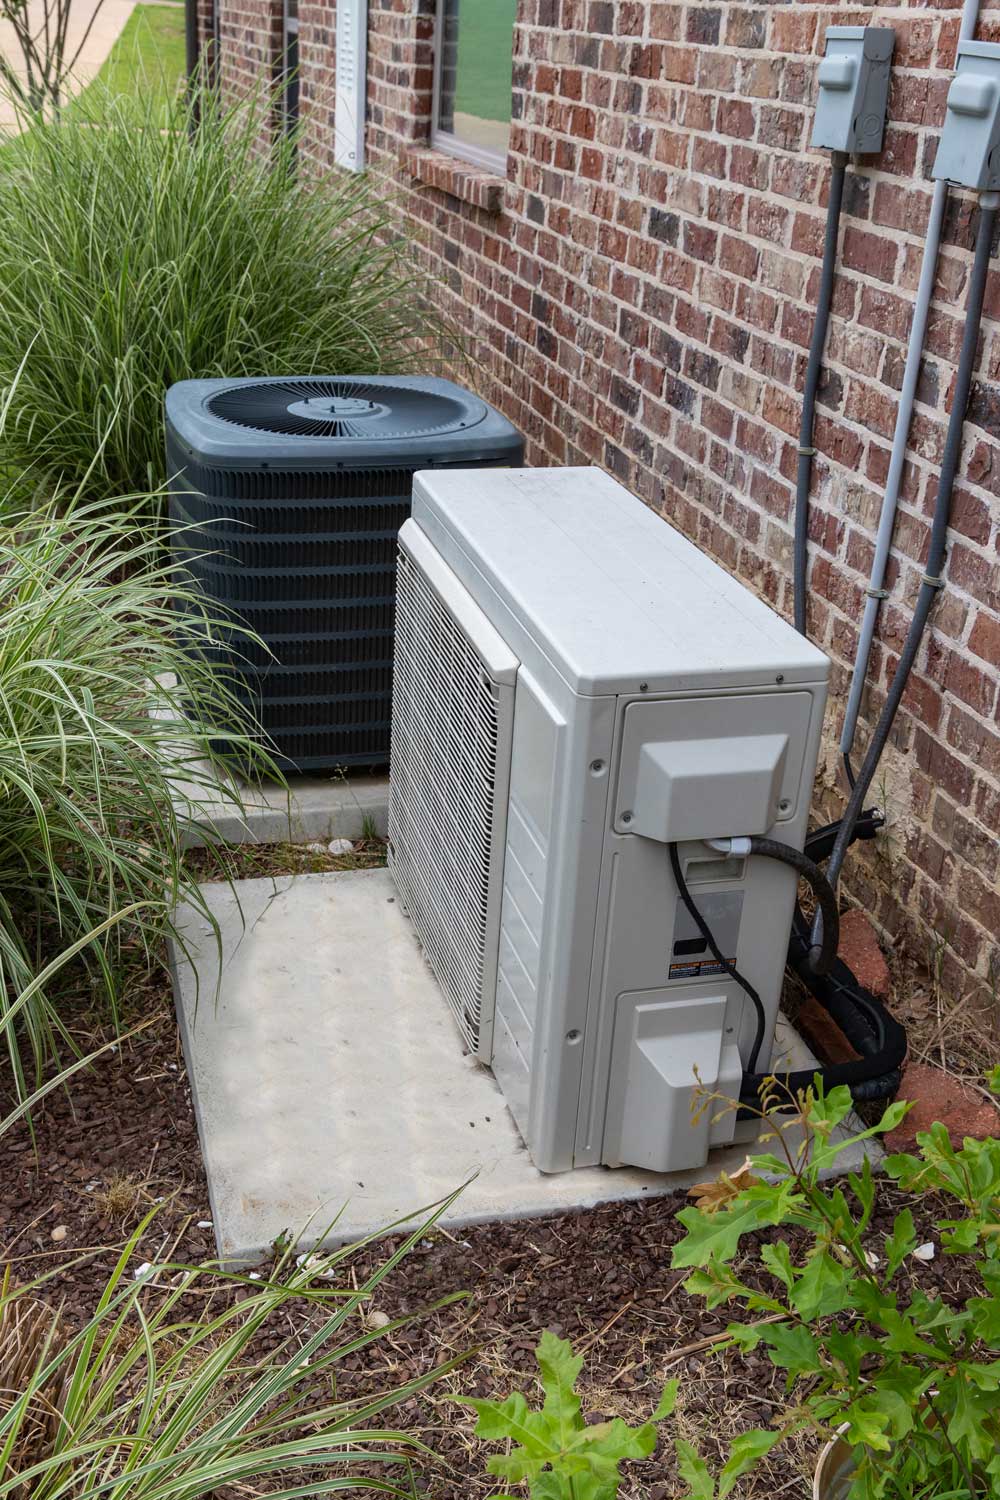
column 819, row 843
column 717, row 954
column 824, row 301
column 931, row 582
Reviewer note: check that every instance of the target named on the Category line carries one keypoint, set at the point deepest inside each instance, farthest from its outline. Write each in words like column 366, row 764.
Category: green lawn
column 148, row 57
column 485, row 33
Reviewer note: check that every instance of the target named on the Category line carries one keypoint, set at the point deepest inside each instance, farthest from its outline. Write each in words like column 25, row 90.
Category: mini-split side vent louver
column 286, row 500
column 452, row 719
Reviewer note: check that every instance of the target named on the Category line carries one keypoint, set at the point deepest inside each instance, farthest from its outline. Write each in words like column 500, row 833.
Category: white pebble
column 254, row 1276
column 340, row 846
column 378, row 1320
column 204, row 1223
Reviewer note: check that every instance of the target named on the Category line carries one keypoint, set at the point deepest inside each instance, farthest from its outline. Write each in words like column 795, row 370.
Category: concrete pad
column 310, row 809
column 329, row 1078
column 218, row 806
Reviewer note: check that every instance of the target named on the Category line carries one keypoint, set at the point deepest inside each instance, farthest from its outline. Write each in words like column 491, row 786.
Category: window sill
column 449, row 174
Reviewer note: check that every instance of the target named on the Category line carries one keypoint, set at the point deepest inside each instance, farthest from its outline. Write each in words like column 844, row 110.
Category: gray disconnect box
column 853, row 88
column 968, row 153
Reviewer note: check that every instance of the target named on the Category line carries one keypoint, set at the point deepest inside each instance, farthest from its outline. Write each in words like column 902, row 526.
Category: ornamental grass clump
column 98, row 783
column 186, row 1382
column 137, row 250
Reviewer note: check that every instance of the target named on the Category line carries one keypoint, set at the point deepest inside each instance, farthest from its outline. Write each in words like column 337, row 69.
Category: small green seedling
column 872, row 1351
column 553, row 1448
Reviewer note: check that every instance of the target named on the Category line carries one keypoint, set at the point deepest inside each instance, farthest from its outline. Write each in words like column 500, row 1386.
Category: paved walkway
column 104, row 33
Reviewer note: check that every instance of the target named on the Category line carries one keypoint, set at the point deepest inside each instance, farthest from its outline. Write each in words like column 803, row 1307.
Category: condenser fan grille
column 340, row 409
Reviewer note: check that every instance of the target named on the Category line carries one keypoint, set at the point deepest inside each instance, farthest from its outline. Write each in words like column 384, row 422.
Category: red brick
column 639, row 293
column 872, row 254
column 860, row 951
column 984, row 639
column 939, row 1096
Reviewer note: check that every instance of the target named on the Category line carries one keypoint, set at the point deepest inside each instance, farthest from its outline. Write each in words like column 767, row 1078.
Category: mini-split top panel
column 612, row 595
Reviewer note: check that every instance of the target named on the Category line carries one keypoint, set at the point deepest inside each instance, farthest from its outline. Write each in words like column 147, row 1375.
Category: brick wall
column 639, row 296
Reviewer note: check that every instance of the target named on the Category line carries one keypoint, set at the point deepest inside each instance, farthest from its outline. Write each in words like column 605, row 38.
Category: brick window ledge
column 484, row 190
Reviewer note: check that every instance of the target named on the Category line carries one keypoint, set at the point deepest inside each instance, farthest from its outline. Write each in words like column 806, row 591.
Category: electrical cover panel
column 967, row 153
column 852, row 97
column 648, row 681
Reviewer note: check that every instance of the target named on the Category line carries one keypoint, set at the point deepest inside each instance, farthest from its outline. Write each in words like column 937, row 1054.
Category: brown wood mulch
column 123, row 1138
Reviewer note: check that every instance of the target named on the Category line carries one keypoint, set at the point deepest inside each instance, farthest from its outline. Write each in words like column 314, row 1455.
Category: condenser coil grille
column 286, row 501
column 451, row 730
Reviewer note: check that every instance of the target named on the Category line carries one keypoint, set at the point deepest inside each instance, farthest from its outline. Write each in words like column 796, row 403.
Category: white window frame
column 446, row 140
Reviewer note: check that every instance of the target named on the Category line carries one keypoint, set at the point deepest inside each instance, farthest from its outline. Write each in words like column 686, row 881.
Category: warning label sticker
column 702, row 969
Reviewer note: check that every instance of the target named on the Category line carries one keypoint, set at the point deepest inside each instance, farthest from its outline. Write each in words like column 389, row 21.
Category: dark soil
column 123, row 1138
column 252, row 861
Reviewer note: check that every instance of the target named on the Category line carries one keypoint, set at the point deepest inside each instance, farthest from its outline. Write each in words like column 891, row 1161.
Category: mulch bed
column 123, row 1138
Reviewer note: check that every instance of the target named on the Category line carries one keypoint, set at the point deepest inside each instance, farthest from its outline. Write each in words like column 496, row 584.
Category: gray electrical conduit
column 931, row 582
column 900, row 436
column 824, row 300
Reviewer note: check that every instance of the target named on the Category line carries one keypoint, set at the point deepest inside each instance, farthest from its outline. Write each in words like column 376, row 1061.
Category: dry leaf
column 710, row 1196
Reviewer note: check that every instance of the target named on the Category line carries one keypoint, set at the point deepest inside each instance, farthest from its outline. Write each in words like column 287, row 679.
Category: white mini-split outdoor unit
column 577, row 688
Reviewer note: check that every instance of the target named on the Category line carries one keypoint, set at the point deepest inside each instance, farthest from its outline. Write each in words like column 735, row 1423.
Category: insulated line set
column 603, row 747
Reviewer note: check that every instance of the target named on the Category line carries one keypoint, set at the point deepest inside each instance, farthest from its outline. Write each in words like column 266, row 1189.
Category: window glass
column 476, row 42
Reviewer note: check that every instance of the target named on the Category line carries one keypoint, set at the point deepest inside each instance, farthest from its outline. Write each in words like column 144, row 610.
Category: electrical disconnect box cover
column 968, row 153
column 853, row 94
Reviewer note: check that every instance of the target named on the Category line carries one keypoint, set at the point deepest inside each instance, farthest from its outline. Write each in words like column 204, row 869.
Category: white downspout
column 876, row 590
